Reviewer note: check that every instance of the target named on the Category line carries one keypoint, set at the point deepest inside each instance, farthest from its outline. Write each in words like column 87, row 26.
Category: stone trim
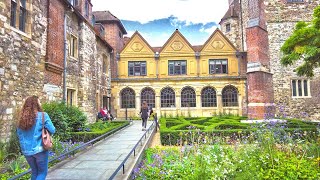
column 52, row 67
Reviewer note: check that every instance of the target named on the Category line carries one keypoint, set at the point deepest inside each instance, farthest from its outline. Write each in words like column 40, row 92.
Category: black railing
column 133, row 150
column 73, row 151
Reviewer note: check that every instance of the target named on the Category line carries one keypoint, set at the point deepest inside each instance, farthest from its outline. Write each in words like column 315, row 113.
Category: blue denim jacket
column 30, row 140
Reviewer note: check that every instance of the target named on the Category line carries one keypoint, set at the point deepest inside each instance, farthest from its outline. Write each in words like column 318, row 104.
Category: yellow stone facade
column 197, row 75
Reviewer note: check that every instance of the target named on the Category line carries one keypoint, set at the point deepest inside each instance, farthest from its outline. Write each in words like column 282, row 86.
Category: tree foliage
column 304, row 44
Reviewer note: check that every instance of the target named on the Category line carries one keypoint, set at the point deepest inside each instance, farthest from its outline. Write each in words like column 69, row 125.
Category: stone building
column 180, row 79
column 259, row 28
column 35, row 40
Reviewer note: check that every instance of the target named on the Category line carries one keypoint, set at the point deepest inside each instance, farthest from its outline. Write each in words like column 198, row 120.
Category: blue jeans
column 39, row 165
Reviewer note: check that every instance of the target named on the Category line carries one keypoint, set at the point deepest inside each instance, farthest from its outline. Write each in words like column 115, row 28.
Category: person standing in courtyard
column 29, row 132
column 144, row 112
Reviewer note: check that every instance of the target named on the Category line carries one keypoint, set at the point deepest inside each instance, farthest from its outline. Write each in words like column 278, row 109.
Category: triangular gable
column 177, row 43
column 218, row 42
column 137, row 45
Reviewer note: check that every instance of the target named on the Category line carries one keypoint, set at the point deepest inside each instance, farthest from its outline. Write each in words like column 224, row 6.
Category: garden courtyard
column 217, row 147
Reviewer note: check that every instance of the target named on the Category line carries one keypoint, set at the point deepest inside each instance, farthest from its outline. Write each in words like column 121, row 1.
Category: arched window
column 148, row 95
column 229, row 96
column 128, row 99
column 188, row 97
column 168, row 98
column 208, row 97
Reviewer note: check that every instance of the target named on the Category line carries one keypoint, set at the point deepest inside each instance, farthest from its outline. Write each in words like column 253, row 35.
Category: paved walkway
column 101, row 160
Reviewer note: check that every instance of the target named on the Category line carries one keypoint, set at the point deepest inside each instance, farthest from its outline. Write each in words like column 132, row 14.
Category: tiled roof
column 107, row 16
column 233, row 11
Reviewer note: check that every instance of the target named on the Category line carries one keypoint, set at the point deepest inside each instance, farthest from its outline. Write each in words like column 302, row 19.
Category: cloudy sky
column 156, row 20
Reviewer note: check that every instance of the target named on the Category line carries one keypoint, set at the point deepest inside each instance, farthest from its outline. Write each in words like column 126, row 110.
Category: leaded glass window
column 188, row 97
column 137, row 68
column 218, row 66
column 148, row 95
column 177, row 67
column 229, row 96
column 208, row 97
column 168, row 97
column 128, row 99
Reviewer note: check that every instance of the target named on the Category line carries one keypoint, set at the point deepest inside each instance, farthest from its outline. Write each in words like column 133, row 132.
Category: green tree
column 304, row 44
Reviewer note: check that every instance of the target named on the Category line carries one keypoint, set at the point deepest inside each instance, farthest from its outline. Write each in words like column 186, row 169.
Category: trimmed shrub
column 65, row 118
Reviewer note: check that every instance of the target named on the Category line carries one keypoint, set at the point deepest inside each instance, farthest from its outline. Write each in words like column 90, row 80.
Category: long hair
column 29, row 112
column 144, row 105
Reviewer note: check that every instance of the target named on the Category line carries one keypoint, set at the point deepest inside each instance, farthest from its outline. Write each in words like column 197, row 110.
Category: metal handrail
column 127, row 157
column 73, row 150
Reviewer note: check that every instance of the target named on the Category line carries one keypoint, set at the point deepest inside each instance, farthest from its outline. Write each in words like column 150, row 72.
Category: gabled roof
column 173, row 35
column 107, row 16
column 233, row 11
column 214, row 33
column 136, row 33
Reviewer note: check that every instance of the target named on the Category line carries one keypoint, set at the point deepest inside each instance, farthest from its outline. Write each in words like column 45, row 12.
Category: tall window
column 229, row 96
column 93, row 20
column 102, row 31
column 208, row 97
column 178, row 67
column 137, row 68
column 128, row 98
column 86, row 8
column 71, row 97
column 13, row 13
column 148, row 95
column 218, row 66
column 300, row 88
column 104, row 65
column 73, row 46
column 188, row 97
column 168, row 97
column 19, row 7
column 228, row 27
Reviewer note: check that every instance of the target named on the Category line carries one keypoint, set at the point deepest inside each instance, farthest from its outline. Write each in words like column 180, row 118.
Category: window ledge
column 300, row 97
column 20, row 32
column 73, row 58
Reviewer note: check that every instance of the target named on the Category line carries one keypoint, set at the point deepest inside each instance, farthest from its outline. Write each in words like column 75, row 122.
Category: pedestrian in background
column 144, row 112
column 29, row 132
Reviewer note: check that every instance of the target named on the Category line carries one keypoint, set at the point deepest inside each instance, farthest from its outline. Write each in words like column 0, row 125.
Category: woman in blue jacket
column 29, row 133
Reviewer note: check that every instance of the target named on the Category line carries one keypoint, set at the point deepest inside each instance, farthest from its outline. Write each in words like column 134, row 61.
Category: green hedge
column 95, row 130
column 175, row 130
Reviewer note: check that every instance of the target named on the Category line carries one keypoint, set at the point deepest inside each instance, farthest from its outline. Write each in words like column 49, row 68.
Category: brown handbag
column 46, row 138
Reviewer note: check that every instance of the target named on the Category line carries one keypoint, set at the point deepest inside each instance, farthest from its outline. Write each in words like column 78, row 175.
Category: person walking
column 144, row 112
column 29, row 132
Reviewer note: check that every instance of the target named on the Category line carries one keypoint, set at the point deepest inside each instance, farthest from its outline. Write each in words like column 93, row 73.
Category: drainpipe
column 64, row 99
column 241, row 25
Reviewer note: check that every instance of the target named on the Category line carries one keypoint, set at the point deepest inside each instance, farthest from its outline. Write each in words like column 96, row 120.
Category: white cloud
column 208, row 30
column 189, row 11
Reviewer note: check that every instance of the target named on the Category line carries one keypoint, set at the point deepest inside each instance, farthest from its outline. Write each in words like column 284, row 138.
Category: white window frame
column 295, row 82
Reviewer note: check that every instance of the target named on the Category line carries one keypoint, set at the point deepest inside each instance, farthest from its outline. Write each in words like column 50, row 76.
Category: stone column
column 219, row 102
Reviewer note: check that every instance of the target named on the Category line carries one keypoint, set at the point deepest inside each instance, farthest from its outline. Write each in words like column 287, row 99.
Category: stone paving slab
column 102, row 159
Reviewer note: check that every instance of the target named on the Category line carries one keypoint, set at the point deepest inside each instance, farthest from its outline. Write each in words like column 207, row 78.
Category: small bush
column 65, row 118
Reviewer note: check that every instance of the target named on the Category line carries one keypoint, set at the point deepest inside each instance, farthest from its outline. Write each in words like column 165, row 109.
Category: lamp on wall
column 197, row 54
column 118, row 56
column 156, row 55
